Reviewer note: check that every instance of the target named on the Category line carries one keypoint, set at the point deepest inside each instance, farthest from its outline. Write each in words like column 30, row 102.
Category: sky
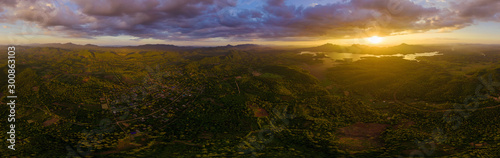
column 265, row 22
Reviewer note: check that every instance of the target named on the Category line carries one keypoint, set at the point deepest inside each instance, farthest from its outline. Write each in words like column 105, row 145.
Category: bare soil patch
column 50, row 122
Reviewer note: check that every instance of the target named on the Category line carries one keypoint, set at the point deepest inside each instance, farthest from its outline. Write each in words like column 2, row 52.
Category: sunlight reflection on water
column 356, row 57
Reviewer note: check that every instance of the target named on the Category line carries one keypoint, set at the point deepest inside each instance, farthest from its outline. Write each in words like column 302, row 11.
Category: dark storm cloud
column 274, row 19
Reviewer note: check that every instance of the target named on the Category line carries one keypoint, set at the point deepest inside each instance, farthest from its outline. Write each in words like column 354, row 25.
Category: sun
column 375, row 39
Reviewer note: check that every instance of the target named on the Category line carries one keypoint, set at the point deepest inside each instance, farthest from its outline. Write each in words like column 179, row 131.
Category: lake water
column 356, row 57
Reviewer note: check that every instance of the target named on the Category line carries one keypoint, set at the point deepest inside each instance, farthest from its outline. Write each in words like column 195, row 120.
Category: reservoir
column 356, row 57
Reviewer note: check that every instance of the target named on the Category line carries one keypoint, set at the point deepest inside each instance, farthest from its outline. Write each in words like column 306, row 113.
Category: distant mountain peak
column 328, row 47
column 158, row 45
column 329, row 44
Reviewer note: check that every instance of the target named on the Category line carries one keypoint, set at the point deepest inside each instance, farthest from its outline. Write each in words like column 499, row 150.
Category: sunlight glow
column 375, row 39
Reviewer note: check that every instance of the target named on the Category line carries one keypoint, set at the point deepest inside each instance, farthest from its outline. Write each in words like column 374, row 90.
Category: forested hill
column 243, row 102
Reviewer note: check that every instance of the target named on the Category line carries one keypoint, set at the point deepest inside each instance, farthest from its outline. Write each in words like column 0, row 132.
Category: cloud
column 9, row 3
column 478, row 9
column 273, row 19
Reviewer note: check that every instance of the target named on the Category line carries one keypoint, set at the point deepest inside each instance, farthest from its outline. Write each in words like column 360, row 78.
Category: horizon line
column 264, row 45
